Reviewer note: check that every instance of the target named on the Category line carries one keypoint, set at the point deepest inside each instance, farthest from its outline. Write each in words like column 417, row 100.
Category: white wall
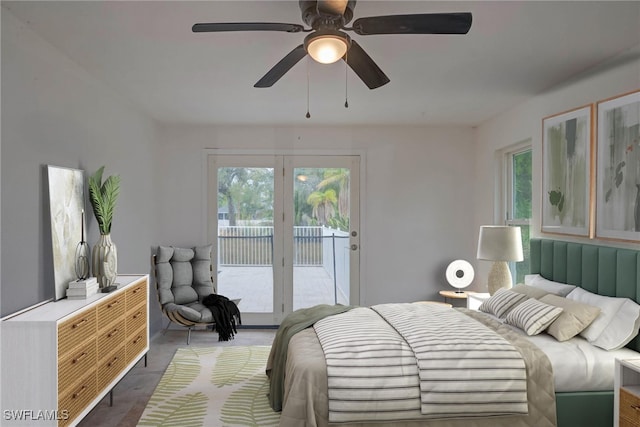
column 417, row 214
column 615, row 77
column 53, row 112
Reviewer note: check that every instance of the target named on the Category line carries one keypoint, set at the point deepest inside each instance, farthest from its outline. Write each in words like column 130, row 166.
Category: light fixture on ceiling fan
column 327, row 47
column 327, row 43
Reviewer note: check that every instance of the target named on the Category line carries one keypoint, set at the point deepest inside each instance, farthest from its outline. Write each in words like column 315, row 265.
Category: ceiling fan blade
column 427, row 23
column 332, row 7
column 280, row 69
column 364, row 67
column 246, row 26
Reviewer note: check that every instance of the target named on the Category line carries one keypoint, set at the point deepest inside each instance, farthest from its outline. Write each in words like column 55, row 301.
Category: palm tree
column 323, row 203
column 340, row 178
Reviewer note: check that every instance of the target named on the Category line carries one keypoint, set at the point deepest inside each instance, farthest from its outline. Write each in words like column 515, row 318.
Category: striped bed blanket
column 409, row 361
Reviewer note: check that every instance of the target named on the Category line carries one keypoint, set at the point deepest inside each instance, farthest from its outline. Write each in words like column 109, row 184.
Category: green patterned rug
column 213, row 386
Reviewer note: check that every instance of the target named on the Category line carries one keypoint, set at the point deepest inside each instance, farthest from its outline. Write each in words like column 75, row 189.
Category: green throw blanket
column 291, row 325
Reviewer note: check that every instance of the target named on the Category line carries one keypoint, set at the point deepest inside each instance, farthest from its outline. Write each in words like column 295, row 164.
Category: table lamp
column 500, row 244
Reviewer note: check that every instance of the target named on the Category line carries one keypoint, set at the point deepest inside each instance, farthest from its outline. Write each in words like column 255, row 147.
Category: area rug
column 213, row 386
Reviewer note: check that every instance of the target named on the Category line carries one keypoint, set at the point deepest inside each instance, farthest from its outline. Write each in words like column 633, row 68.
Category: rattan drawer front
column 111, row 338
column 110, row 367
column 74, row 331
column 629, row 408
column 136, row 318
column 136, row 343
column 75, row 365
column 136, row 295
column 111, row 310
column 78, row 398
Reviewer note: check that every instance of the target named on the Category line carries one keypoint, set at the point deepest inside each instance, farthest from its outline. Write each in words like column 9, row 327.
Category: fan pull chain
column 308, row 115
column 346, row 89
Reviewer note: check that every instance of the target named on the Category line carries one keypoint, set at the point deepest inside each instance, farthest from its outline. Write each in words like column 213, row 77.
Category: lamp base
column 499, row 277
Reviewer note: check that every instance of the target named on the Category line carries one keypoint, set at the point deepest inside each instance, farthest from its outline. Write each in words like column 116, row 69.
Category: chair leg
column 165, row 329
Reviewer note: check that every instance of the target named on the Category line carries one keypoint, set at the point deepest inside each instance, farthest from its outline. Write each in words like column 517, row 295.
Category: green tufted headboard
column 602, row 270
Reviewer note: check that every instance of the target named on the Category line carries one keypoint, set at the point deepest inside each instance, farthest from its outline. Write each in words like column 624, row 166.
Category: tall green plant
column 103, row 196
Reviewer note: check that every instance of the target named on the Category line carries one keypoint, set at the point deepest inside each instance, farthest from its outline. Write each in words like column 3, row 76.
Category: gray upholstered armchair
column 183, row 279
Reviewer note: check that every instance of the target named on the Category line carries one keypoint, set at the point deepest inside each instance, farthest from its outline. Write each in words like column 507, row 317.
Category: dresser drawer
column 111, row 310
column 136, row 295
column 136, row 318
column 76, row 399
column 110, row 338
column 74, row 331
column 111, row 366
column 136, row 343
column 629, row 408
column 76, row 364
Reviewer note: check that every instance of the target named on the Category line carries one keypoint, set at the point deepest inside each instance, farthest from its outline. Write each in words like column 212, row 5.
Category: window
column 517, row 203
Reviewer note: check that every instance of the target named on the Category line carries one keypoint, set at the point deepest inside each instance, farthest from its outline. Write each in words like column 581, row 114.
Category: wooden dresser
column 61, row 358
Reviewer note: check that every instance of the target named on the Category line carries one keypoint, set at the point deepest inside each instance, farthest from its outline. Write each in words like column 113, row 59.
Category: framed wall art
column 566, row 172
column 66, row 206
column 618, row 168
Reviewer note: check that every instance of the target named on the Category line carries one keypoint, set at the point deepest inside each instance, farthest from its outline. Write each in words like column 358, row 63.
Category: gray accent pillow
column 530, row 291
column 533, row 316
column 574, row 318
column 502, row 302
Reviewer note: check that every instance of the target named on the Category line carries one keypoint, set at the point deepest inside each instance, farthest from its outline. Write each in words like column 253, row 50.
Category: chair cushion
column 195, row 312
column 183, row 275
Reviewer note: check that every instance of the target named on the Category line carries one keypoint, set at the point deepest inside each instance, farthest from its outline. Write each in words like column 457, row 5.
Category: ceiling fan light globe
column 327, row 49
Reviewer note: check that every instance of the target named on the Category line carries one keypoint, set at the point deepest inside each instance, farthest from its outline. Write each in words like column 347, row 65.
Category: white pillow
column 502, row 302
column 617, row 323
column 533, row 316
column 536, row 280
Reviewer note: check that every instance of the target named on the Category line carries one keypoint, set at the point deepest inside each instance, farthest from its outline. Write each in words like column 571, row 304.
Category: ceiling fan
column 328, row 42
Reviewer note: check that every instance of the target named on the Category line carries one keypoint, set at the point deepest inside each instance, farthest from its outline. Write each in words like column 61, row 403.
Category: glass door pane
column 241, row 220
column 320, row 236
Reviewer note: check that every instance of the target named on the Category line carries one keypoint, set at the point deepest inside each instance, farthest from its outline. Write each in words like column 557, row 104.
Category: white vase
column 104, row 261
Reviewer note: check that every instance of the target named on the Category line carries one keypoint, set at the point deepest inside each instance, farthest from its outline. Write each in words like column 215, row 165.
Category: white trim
column 207, row 223
column 505, row 181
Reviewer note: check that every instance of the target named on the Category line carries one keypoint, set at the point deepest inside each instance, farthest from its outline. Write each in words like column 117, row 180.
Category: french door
column 286, row 230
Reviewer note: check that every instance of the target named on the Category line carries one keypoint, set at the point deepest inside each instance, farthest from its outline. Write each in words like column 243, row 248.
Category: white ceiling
column 146, row 51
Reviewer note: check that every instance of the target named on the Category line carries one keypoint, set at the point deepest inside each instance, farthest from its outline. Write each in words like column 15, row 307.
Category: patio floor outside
column 312, row 285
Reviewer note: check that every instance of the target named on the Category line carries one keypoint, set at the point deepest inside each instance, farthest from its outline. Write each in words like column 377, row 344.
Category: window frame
column 508, row 193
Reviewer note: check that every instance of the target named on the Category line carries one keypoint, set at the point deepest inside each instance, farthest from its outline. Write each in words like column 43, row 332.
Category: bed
column 602, row 270
column 598, row 269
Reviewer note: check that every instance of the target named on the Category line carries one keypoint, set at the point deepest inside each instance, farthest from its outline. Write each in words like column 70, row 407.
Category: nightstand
column 476, row 299
column 454, row 295
column 626, row 408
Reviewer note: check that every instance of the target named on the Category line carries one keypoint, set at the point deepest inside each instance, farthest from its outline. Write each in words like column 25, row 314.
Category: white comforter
column 406, row 361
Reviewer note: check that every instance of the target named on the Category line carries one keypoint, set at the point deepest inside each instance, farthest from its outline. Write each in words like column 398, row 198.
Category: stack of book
column 82, row 289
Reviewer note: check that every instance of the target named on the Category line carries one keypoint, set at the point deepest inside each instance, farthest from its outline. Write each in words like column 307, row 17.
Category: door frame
column 316, row 161
column 209, row 223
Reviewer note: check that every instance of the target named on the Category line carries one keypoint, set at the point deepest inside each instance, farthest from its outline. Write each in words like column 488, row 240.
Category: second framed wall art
column 618, row 168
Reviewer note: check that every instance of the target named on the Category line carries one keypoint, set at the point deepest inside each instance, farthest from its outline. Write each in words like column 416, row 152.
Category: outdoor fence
column 313, row 246
column 253, row 245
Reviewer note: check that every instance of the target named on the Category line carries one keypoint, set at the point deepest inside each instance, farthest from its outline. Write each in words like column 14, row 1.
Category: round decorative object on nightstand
column 459, row 274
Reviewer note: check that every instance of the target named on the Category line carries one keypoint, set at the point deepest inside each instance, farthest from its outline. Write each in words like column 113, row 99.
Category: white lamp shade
column 459, row 274
column 500, row 243
column 327, row 49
